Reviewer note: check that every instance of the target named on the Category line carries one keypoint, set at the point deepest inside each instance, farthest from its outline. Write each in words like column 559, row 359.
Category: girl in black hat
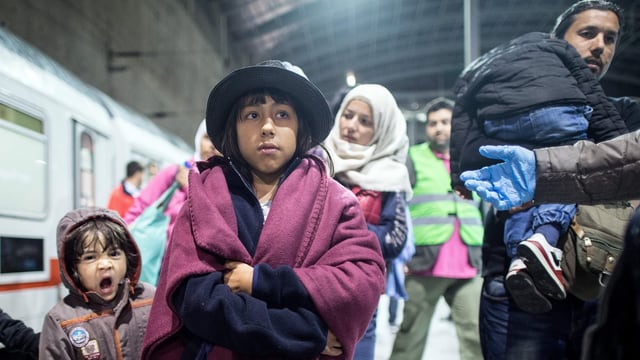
column 270, row 257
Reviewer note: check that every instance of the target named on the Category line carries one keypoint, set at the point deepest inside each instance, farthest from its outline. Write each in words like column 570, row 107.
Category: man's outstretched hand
column 508, row 184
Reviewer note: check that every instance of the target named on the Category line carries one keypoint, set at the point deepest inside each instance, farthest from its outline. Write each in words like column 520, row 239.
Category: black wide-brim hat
column 311, row 105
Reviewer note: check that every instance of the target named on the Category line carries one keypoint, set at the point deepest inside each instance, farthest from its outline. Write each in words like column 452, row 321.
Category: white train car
column 63, row 145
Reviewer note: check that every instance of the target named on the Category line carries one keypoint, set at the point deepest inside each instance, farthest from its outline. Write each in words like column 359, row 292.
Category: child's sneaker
column 543, row 263
column 523, row 291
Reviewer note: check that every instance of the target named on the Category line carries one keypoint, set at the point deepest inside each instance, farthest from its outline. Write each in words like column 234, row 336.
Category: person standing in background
column 152, row 170
column 123, row 195
column 448, row 237
column 175, row 172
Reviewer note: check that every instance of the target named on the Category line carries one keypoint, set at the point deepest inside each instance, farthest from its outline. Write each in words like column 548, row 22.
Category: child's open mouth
column 106, row 286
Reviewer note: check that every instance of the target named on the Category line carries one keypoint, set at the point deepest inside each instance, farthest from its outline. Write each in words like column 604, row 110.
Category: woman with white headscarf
column 368, row 148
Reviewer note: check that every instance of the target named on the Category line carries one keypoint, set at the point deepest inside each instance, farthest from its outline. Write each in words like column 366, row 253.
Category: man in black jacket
column 593, row 28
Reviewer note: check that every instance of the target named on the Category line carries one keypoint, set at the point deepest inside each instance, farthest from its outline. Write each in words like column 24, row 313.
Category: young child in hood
column 104, row 316
column 270, row 257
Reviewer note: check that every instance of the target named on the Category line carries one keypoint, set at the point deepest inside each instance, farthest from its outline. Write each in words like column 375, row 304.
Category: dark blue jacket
column 391, row 231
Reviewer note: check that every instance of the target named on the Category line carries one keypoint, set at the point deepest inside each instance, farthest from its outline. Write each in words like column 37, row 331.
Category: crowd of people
column 291, row 220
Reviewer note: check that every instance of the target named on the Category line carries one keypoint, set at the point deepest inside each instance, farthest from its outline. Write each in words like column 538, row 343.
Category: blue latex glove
column 508, row 184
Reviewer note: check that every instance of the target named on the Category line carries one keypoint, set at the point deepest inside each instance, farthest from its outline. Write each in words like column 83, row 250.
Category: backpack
column 592, row 247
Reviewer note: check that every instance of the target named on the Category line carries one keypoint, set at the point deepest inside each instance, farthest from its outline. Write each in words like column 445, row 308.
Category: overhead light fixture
column 350, row 78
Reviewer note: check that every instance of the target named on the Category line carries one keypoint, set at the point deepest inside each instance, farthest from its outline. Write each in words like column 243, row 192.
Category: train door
column 93, row 166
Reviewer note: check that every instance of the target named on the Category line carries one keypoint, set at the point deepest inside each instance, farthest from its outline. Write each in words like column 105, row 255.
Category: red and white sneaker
column 543, row 263
column 523, row 290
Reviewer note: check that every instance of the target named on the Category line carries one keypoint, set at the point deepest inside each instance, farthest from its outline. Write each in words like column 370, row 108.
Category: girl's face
column 101, row 270
column 267, row 137
column 207, row 149
column 356, row 123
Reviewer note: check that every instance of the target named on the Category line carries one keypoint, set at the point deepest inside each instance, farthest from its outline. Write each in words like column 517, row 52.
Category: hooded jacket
column 527, row 73
column 83, row 325
column 315, row 228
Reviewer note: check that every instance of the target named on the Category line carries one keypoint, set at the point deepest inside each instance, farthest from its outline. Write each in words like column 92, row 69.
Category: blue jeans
column 547, row 126
column 521, row 225
column 508, row 333
column 393, row 309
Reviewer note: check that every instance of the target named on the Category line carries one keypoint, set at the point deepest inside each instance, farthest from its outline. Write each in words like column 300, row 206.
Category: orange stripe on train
column 54, row 280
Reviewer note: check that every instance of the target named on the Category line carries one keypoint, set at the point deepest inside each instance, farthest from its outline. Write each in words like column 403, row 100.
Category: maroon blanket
column 314, row 225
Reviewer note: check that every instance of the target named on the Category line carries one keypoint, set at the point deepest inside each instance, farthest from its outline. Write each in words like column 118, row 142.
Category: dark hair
column 230, row 148
column 566, row 19
column 438, row 104
column 133, row 167
column 89, row 234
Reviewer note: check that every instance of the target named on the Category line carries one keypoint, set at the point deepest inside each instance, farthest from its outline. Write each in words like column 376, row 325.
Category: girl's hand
column 239, row 277
column 333, row 347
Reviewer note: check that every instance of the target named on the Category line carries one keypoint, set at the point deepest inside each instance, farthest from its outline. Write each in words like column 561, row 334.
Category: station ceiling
column 413, row 47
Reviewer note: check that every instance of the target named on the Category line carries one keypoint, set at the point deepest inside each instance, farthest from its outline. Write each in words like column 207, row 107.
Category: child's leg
column 551, row 220
column 541, row 257
column 546, row 126
column 518, row 280
column 517, row 229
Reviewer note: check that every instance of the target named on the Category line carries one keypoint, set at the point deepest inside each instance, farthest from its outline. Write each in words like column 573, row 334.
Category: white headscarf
column 379, row 166
column 202, row 130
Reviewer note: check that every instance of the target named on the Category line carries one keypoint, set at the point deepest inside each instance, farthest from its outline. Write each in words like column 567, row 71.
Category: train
column 63, row 144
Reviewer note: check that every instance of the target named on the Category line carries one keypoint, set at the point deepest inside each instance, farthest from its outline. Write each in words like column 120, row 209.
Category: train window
column 21, row 254
column 22, row 178
column 86, row 173
column 21, row 119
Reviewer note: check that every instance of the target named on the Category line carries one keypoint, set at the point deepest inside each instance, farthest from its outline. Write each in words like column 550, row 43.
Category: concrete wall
column 182, row 54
